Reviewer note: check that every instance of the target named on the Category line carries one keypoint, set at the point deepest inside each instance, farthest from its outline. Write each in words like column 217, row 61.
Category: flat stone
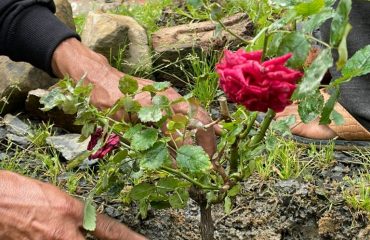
column 3, row 133
column 16, row 126
column 19, row 140
column 108, row 34
column 173, row 43
column 68, row 145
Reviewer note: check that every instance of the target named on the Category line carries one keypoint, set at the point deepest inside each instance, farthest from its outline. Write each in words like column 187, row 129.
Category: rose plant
column 146, row 165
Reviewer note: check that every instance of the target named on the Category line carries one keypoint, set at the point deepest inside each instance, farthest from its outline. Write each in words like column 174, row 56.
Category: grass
column 287, row 160
column 202, row 80
column 80, row 23
column 147, row 14
column 357, row 192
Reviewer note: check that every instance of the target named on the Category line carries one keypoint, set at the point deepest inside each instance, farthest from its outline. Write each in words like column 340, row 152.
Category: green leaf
column 87, row 130
column 311, row 106
column 157, row 87
column 130, row 105
column 337, row 118
column 297, row 44
column 283, row 125
column 128, row 85
column 161, row 101
column 193, row 159
column 53, row 99
column 234, row 190
column 132, row 131
column 155, row 157
column 306, row 9
column 342, row 48
column 120, row 156
column 358, row 64
column 143, row 208
column 340, row 21
column 316, row 21
column 142, row 191
column 314, row 74
column 179, row 198
column 144, row 139
column 69, row 105
column 274, row 44
column 329, row 106
column 150, row 114
column 227, row 205
column 89, row 221
column 170, row 184
column 216, row 12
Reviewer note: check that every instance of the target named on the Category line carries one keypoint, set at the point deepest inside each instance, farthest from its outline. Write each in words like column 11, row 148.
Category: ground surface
column 267, row 210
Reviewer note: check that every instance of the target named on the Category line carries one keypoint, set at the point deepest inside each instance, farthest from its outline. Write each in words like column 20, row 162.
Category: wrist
column 60, row 62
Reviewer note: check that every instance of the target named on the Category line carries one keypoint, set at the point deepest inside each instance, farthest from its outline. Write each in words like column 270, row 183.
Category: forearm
column 30, row 32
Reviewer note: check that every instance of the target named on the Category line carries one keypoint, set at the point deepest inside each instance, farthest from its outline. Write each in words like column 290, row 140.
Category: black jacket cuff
column 34, row 35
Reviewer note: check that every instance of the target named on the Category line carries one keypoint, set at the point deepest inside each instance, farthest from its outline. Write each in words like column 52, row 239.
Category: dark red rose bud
column 112, row 143
column 95, row 138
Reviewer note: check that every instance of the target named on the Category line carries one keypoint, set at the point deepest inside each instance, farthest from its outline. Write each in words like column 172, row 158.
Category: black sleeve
column 30, row 32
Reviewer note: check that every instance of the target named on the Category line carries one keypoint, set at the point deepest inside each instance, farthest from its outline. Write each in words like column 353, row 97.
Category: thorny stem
column 186, row 177
column 262, row 130
column 250, row 125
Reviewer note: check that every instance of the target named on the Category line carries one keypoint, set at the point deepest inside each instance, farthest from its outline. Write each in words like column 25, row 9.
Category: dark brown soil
column 271, row 210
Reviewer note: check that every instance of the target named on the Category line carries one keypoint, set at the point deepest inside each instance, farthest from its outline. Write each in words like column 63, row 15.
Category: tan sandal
column 350, row 135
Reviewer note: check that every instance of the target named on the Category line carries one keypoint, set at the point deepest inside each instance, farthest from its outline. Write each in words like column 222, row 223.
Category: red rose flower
column 257, row 85
column 111, row 143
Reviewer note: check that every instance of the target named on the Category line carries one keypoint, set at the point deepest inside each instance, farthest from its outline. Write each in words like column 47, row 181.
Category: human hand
column 75, row 60
column 32, row 210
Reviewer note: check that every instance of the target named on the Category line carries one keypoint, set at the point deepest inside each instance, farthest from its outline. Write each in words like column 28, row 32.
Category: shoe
column 349, row 136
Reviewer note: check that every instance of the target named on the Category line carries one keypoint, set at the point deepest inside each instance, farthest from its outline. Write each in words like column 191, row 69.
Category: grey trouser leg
column 355, row 95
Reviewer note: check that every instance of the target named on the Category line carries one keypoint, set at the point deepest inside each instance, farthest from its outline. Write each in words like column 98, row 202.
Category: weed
column 202, row 79
column 147, row 14
column 283, row 160
column 80, row 23
column 357, row 194
column 322, row 156
column 39, row 134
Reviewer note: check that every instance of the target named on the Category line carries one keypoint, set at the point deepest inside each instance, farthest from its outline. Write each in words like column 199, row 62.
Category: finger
column 218, row 129
column 110, row 229
column 79, row 236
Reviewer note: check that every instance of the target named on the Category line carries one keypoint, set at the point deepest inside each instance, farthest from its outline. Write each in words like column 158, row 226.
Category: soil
column 265, row 210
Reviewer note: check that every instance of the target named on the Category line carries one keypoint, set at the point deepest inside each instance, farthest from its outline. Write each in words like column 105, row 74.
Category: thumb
column 110, row 229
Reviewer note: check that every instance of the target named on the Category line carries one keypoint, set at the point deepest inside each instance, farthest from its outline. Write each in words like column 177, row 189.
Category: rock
column 64, row 13
column 3, row 133
column 68, row 145
column 56, row 116
column 16, row 126
column 108, row 34
column 16, row 79
column 19, row 140
column 173, row 43
column 83, row 7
